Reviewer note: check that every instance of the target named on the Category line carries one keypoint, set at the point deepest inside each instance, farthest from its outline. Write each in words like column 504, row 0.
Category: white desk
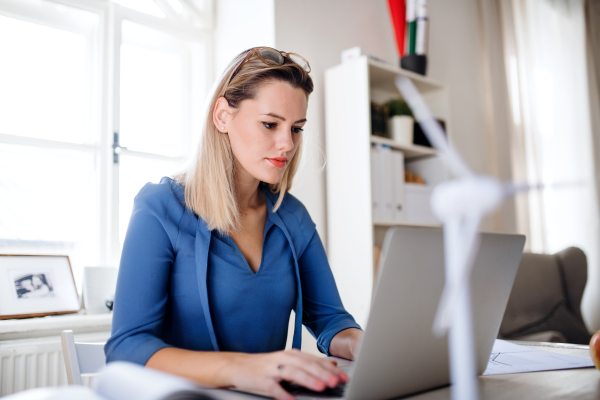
column 580, row 384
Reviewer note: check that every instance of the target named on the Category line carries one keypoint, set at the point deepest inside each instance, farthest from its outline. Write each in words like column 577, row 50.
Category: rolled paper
column 422, row 27
column 411, row 26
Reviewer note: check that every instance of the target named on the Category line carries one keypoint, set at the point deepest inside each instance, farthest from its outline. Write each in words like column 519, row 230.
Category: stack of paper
column 510, row 358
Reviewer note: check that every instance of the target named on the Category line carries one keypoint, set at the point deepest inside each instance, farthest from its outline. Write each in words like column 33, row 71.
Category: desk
column 580, row 384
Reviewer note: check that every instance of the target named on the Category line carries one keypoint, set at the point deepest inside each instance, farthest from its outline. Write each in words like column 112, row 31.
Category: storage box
column 417, row 205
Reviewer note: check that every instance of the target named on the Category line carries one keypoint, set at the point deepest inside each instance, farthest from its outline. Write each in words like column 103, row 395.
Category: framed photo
column 36, row 286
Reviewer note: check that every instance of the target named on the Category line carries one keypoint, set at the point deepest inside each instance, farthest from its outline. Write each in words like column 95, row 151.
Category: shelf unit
column 389, row 224
column 412, row 151
column 352, row 231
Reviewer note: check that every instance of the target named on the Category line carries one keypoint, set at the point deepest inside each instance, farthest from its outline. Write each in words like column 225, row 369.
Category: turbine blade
column 514, row 188
column 431, row 127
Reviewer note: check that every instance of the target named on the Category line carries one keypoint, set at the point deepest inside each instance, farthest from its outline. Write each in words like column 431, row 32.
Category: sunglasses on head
column 271, row 56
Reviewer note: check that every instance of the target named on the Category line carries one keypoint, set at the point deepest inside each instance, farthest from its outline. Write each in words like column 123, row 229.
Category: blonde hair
column 209, row 181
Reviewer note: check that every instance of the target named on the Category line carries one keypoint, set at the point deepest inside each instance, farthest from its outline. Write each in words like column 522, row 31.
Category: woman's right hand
column 263, row 372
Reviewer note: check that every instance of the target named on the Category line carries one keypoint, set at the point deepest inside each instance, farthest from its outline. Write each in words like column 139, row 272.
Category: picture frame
column 36, row 286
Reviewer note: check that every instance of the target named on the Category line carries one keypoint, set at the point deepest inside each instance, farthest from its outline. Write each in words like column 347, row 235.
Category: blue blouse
column 182, row 285
column 262, row 302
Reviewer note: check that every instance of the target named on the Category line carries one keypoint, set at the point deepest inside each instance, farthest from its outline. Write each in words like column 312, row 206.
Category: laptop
column 398, row 354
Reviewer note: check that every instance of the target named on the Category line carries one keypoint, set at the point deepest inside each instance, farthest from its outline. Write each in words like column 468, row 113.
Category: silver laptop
column 398, row 354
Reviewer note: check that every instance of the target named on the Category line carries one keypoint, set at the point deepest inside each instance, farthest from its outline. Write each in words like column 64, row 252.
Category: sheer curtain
column 547, row 73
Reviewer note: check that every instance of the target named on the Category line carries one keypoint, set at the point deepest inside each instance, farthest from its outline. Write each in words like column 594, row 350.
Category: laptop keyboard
column 297, row 390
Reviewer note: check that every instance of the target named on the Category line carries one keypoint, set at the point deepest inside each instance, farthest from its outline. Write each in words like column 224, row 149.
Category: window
column 96, row 99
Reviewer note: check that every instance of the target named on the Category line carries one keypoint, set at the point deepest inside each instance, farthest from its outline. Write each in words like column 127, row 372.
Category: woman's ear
column 221, row 114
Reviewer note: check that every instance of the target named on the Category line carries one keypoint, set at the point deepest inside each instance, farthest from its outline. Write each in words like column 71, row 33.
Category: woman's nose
column 284, row 140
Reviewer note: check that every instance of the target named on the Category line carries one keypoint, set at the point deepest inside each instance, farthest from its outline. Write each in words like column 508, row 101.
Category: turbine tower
column 460, row 204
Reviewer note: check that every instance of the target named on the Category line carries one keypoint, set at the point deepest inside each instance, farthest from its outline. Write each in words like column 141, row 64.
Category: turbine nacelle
column 470, row 195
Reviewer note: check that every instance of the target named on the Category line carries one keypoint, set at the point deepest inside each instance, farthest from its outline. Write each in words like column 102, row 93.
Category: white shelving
column 382, row 75
column 389, row 224
column 409, row 151
column 352, row 231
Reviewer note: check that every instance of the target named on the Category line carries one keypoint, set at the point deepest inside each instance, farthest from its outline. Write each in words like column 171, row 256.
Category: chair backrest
column 81, row 358
column 546, row 297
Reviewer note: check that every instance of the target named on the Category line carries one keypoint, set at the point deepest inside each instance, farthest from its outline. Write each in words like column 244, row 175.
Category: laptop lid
column 398, row 354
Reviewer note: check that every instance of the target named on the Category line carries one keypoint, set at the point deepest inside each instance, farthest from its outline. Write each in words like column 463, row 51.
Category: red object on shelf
column 398, row 13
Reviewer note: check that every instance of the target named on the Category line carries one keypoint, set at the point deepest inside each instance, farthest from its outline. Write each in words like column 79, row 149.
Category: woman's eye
column 297, row 130
column 269, row 125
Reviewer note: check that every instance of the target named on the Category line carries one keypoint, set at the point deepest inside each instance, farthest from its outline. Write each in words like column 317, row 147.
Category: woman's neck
column 247, row 192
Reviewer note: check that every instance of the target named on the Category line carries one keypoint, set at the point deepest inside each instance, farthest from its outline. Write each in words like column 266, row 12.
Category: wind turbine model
column 460, row 204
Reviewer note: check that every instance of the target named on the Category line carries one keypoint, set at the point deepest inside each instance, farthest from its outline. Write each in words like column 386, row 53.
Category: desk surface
column 581, row 384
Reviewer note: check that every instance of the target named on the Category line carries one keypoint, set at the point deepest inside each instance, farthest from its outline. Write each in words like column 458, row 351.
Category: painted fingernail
column 319, row 386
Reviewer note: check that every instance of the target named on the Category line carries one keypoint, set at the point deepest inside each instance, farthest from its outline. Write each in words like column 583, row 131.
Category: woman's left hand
column 345, row 343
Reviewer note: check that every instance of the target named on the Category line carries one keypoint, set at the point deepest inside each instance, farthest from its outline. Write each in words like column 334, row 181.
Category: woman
column 215, row 260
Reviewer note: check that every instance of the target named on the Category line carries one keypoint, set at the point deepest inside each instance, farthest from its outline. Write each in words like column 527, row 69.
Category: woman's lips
column 278, row 162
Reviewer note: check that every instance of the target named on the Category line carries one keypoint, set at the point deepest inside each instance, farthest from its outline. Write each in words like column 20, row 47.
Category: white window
column 97, row 97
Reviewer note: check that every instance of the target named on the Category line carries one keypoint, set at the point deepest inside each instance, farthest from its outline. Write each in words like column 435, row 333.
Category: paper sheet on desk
column 510, row 358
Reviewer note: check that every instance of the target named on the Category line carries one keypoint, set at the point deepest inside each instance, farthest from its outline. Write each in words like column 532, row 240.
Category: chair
column 545, row 302
column 81, row 358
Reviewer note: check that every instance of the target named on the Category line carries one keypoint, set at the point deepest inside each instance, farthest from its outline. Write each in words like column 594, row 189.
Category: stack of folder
column 387, row 184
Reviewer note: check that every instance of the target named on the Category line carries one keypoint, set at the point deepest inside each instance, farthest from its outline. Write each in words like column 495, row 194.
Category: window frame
column 105, row 85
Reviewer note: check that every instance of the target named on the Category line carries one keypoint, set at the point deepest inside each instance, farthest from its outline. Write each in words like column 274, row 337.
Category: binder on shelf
column 398, row 185
column 375, row 177
column 386, row 183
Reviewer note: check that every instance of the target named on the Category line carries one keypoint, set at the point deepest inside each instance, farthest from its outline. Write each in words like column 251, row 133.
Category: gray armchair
column 545, row 302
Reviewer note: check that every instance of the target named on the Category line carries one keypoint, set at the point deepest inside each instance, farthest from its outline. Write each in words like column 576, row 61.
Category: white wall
column 455, row 59
column 240, row 25
column 320, row 29
column 458, row 40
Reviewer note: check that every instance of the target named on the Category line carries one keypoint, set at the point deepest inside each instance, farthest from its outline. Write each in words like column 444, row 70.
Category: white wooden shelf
column 410, row 151
column 382, row 75
column 350, row 88
column 394, row 223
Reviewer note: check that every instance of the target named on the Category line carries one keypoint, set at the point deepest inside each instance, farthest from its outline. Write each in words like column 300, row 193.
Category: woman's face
column 264, row 132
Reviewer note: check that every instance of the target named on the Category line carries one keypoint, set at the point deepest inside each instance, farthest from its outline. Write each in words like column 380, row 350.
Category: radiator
column 37, row 362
